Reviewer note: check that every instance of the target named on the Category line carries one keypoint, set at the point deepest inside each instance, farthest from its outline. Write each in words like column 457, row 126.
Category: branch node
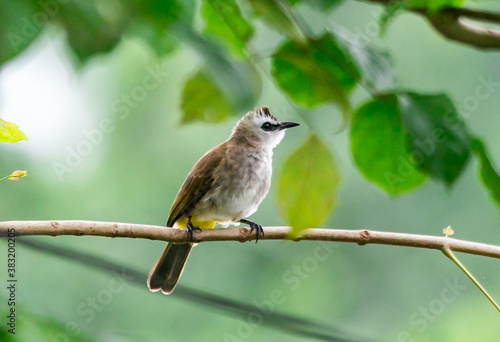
column 244, row 234
column 365, row 236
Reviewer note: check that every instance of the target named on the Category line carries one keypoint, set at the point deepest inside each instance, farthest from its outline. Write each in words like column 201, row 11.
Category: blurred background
column 108, row 142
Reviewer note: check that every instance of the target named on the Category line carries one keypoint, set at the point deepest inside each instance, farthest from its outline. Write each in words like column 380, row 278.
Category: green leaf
column 307, row 185
column 315, row 73
column 489, row 176
column 224, row 22
column 91, row 27
column 157, row 39
column 10, row 133
column 380, row 146
column 438, row 137
column 275, row 15
column 397, row 134
column 202, row 100
column 17, row 27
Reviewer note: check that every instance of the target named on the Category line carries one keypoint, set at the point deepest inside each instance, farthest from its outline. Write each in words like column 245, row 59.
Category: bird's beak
column 285, row 125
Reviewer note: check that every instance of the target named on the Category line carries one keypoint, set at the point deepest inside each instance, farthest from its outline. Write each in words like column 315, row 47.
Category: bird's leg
column 254, row 226
column 190, row 228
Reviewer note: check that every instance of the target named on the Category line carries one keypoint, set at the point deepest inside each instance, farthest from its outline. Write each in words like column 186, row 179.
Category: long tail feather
column 168, row 269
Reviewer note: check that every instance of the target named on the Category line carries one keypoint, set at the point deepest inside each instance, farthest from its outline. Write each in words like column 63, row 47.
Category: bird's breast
column 242, row 183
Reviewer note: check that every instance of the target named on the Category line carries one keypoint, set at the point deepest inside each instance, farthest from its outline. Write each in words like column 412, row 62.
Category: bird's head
column 260, row 127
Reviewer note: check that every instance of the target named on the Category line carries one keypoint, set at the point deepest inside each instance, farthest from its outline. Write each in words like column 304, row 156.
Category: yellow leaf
column 307, row 185
column 10, row 133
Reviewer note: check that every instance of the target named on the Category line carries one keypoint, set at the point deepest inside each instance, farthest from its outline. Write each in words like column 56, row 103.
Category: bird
column 224, row 187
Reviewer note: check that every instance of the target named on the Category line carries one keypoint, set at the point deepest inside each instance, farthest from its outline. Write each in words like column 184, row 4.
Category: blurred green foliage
column 308, row 60
column 315, row 73
column 224, row 22
column 202, row 100
column 311, row 69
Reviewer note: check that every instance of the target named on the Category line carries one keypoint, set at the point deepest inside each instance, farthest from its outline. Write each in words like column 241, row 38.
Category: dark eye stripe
column 268, row 127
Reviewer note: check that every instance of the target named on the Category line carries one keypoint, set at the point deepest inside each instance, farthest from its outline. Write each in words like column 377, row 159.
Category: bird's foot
column 259, row 231
column 190, row 228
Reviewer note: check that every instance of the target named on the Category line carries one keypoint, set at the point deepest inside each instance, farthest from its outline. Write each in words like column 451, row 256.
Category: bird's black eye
column 266, row 126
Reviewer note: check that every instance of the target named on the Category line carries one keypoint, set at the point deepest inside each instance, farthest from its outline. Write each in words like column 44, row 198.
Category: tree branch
column 127, row 230
column 449, row 23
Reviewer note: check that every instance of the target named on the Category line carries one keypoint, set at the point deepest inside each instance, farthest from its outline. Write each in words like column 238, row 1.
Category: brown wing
column 198, row 182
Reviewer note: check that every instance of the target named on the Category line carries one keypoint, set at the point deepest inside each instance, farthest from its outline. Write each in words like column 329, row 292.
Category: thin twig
column 140, row 231
column 452, row 257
